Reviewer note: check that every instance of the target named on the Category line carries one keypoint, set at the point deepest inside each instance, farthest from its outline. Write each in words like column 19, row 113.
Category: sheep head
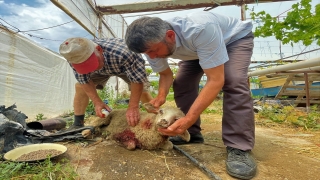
column 167, row 116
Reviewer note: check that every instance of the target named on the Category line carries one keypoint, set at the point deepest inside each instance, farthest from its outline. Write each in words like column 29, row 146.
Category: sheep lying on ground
column 145, row 134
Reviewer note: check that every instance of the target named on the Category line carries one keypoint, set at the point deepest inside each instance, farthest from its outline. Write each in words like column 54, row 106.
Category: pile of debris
column 15, row 132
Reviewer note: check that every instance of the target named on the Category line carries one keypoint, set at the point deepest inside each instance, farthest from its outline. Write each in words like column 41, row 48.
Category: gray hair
column 145, row 31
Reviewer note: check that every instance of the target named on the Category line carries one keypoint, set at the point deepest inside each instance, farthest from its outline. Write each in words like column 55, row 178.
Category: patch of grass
column 108, row 95
column 289, row 115
column 37, row 171
column 170, row 97
column 214, row 108
column 39, row 117
column 104, row 94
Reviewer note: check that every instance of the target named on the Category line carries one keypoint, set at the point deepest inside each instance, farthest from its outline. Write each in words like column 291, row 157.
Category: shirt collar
column 178, row 41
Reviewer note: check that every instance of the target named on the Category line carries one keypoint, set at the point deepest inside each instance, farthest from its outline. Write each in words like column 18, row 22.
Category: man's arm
column 215, row 81
column 165, row 82
column 133, row 114
column 91, row 91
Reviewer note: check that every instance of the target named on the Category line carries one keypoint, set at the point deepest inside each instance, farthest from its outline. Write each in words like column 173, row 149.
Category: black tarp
column 14, row 131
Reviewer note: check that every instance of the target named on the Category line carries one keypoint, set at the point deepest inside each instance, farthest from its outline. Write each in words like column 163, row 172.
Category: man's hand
column 99, row 106
column 157, row 102
column 133, row 116
column 178, row 127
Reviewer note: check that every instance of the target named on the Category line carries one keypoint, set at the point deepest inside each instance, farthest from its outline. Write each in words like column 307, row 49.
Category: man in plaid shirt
column 93, row 63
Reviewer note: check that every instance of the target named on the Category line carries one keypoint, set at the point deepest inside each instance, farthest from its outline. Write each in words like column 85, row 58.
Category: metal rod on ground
column 200, row 165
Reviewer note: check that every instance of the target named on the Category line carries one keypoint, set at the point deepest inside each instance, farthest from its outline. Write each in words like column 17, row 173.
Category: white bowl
column 14, row 154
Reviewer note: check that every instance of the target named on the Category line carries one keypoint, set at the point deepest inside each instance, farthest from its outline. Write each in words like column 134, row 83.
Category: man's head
column 80, row 52
column 152, row 36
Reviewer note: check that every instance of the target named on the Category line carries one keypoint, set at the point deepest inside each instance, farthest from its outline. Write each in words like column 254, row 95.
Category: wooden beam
column 173, row 4
column 300, row 92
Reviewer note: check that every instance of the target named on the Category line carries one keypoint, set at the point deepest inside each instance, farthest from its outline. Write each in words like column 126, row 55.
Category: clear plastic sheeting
column 117, row 23
column 80, row 11
column 94, row 22
column 34, row 78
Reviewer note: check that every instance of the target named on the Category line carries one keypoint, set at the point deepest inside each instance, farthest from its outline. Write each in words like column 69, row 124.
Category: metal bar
column 173, row 4
column 272, row 61
column 307, row 91
column 311, row 64
column 66, row 10
column 296, row 72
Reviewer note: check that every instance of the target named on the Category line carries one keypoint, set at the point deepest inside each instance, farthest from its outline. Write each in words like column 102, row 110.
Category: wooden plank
column 304, row 101
column 300, row 90
column 273, row 83
column 302, row 87
column 298, row 93
column 288, row 80
column 310, row 79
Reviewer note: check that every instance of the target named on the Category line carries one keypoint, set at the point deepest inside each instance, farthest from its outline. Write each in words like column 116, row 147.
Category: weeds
column 39, row 117
column 214, row 108
column 108, row 96
column 37, row 171
column 290, row 115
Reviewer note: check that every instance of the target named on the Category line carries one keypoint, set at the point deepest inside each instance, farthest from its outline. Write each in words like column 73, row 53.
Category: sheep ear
column 150, row 108
column 185, row 136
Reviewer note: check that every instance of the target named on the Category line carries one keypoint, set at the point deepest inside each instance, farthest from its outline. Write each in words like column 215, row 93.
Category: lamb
column 145, row 134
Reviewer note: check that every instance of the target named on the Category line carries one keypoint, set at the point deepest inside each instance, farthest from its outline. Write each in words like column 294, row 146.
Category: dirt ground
column 281, row 153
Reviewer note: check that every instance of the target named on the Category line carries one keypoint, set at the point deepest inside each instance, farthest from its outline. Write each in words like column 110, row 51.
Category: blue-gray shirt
column 204, row 36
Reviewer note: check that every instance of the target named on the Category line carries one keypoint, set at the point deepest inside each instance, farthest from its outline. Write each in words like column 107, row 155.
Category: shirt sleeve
column 135, row 68
column 210, row 46
column 158, row 64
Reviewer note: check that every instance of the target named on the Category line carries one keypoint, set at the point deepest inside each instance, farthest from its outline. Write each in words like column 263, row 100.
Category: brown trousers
column 238, row 127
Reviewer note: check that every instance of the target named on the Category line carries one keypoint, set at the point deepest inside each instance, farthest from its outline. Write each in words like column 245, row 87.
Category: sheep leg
column 185, row 136
column 167, row 145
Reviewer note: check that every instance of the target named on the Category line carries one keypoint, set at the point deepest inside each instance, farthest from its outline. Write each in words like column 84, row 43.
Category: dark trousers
column 238, row 128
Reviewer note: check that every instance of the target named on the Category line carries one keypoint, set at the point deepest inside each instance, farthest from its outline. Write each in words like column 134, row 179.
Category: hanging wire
column 47, row 27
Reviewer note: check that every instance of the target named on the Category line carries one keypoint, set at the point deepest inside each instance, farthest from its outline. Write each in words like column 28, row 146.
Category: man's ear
column 170, row 36
column 99, row 48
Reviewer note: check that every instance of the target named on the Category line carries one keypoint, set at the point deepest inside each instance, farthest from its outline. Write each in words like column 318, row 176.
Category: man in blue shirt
column 93, row 63
column 211, row 44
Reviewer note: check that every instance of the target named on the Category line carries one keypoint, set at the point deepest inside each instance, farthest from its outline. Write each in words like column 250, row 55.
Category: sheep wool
column 145, row 134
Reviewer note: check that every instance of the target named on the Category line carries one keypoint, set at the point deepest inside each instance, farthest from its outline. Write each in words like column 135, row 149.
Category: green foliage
column 170, row 97
column 37, row 171
column 149, row 71
column 113, row 102
column 174, row 71
column 104, row 94
column 254, row 80
column 215, row 107
column 154, row 84
column 291, row 116
column 299, row 25
column 39, row 117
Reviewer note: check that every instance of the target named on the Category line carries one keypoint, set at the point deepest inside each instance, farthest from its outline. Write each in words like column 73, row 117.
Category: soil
column 284, row 153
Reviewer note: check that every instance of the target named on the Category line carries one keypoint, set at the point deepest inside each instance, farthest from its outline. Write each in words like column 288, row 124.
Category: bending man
column 219, row 47
column 93, row 63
